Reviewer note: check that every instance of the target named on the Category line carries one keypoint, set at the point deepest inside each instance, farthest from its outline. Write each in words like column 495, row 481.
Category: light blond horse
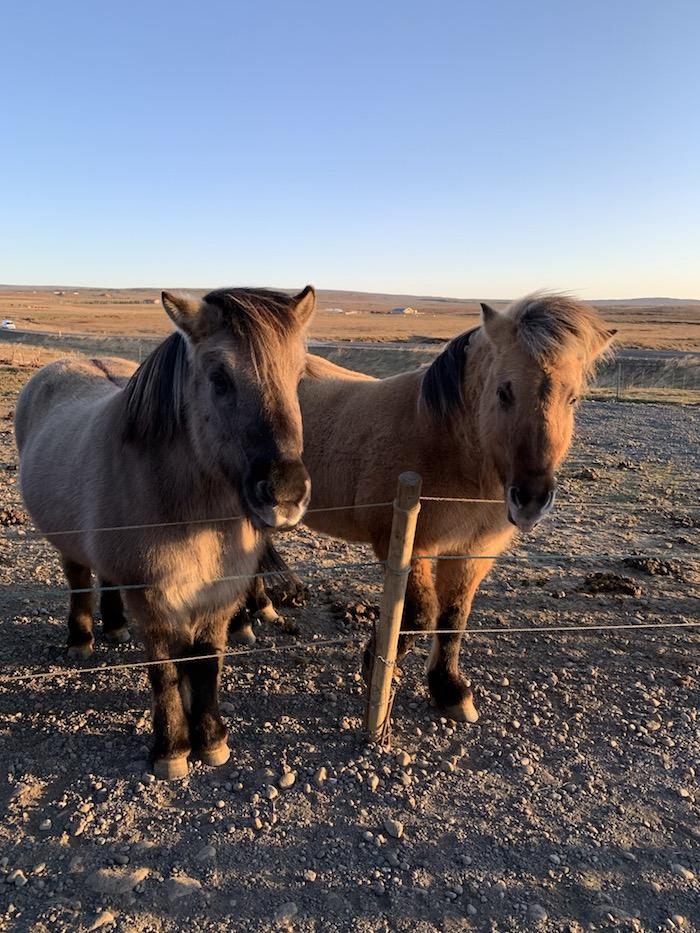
column 207, row 428
column 491, row 418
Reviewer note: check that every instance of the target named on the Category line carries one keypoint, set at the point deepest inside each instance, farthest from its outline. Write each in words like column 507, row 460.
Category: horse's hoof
column 80, row 652
column 462, row 712
column 267, row 614
column 170, row 769
column 215, row 757
column 244, row 635
column 118, row 636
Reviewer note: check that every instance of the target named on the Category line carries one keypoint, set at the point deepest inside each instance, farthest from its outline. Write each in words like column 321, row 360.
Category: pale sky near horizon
column 468, row 149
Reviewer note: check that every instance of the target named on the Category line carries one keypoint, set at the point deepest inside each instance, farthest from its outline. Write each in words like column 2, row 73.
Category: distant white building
column 404, row 311
column 335, row 311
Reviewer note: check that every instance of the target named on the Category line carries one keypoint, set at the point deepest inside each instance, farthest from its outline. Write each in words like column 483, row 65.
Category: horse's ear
column 496, row 325
column 183, row 312
column 304, row 304
column 606, row 338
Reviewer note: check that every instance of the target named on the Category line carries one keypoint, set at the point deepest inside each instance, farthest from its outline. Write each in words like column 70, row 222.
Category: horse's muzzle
column 278, row 493
column 527, row 507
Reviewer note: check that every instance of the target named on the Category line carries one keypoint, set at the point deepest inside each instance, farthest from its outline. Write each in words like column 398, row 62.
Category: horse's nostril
column 516, row 497
column 263, row 491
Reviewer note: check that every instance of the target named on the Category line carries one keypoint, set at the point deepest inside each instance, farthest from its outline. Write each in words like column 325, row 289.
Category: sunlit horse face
column 527, row 415
column 246, row 352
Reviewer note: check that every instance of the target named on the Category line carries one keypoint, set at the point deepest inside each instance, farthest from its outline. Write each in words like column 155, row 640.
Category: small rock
column 45, row 825
column 175, row 888
column 320, row 776
column 17, row 877
column 685, row 873
column 287, row 780
column 102, row 920
column 378, row 888
column 206, row 854
column 373, row 781
column 113, row 881
column 403, row 759
column 678, row 921
column 271, row 792
column 394, row 828
column 538, row 913
column 286, row 912
column 310, row 875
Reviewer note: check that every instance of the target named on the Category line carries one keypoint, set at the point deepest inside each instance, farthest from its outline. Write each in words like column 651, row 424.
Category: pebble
column 287, row 780
column 373, row 781
column 403, row 759
column 175, row 888
column 17, row 877
column 113, row 881
column 206, row 854
column 102, row 920
column 538, row 913
column 378, row 888
column 320, row 776
column 678, row 921
column 286, row 912
column 271, row 792
column 394, row 828
column 45, row 825
column 685, row 873
column 310, row 875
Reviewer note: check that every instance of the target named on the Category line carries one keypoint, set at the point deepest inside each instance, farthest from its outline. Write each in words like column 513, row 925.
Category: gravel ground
column 572, row 805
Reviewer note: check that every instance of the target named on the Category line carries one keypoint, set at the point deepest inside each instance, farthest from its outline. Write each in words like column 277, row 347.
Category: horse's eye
column 505, row 395
column 220, row 382
column 573, row 400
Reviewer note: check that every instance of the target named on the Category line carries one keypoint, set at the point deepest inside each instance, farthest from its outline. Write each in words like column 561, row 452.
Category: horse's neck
column 174, row 473
column 452, row 455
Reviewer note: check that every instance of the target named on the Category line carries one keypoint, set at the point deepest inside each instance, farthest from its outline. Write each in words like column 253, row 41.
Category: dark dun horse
column 491, row 418
column 207, row 428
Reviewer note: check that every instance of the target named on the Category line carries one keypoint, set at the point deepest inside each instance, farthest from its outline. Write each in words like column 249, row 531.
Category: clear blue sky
column 456, row 148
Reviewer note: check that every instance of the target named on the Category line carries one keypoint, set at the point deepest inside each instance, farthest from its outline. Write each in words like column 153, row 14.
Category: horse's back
column 318, row 367
column 65, row 387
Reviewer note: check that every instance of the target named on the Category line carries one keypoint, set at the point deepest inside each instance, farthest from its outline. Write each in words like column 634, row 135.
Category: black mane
column 441, row 388
column 155, row 394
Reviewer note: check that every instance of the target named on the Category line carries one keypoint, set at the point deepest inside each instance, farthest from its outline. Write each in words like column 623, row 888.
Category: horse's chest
column 211, row 570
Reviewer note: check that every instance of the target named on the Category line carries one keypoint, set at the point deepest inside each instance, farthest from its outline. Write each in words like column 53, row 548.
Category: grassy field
column 367, row 316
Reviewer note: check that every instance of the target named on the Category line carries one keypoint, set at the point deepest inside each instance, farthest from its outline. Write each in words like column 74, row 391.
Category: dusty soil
column 572, row 805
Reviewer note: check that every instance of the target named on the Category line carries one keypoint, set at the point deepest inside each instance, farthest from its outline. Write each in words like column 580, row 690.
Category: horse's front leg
column 457, row 582
column 200, row 690
column 171, row 733
column 420, row 611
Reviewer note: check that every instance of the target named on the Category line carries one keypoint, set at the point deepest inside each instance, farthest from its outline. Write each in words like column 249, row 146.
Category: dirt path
column 572, row 805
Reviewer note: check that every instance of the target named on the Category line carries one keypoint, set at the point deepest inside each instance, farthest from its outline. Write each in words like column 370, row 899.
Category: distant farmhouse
column 404, row 311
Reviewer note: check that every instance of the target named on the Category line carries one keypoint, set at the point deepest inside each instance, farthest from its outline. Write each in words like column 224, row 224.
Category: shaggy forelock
column 548, row 326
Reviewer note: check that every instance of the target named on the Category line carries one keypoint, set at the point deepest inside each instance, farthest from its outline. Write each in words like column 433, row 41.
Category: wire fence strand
column 331, row 642
column 457, row 500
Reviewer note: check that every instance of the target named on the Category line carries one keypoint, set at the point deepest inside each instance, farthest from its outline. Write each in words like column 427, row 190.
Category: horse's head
column 543, row 349
column 246, row 352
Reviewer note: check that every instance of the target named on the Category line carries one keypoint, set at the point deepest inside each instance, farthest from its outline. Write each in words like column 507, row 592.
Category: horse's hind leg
column 114, row 625
column 200, row 688
column 80, row 637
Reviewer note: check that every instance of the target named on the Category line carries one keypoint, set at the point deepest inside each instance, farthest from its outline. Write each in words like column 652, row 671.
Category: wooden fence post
column 398, row 567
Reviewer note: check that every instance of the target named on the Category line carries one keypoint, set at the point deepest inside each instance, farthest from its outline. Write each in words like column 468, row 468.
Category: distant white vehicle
column 7, row 324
